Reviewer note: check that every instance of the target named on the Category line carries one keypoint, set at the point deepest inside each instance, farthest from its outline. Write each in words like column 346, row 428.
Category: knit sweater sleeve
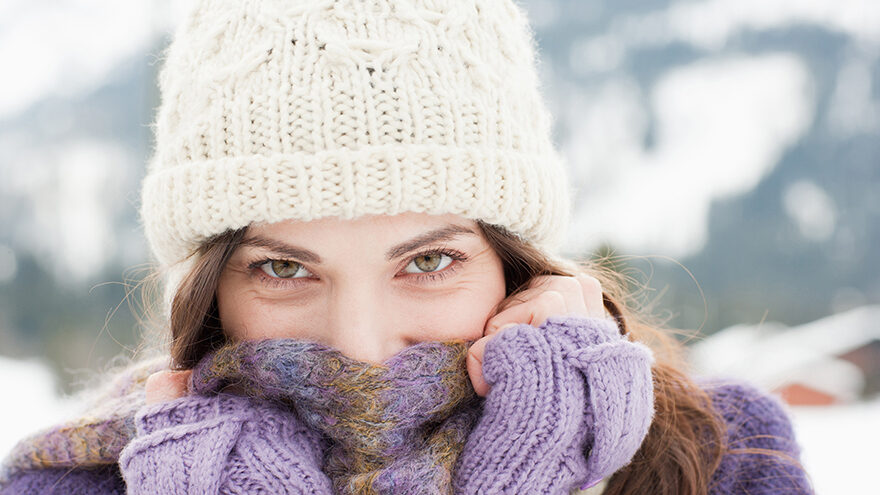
column 570, row 403
column 67, row 481
column 208, row 444
column 756, row 420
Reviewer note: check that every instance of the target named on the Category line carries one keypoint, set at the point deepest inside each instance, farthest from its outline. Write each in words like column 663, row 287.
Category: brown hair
column 687, row 438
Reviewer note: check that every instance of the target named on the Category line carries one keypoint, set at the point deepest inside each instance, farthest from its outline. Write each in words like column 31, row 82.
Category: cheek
column 249, row 317
column 461, row 314
column 245, row 314
column 232, row 310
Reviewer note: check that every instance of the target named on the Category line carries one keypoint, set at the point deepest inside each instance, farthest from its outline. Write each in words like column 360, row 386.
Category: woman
column 357, row 207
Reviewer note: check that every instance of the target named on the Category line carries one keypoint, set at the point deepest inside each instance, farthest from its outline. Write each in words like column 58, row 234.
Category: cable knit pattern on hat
column 276, row 110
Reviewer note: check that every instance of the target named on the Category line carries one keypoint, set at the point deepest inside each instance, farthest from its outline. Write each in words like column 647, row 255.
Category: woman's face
column 368, row 287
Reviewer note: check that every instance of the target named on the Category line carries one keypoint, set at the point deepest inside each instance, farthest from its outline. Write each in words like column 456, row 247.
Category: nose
column 358, row 325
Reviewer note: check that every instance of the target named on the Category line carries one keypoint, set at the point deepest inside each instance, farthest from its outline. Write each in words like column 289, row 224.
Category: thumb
column 475, row 362
column 166, row 385
column 475, row 366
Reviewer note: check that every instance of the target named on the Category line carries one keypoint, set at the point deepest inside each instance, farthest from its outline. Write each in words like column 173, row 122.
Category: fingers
column 166, row 385
column 546, row 296
column 591, row 289
column 475, row 363
column 534, row 311
column 572, row 291
column 475, row 367
column 551, row 295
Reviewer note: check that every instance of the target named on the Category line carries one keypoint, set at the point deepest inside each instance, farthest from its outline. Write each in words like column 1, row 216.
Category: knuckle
column 166, row 381
column 550, row 299
column 590, row 282
column 493, row 325
column 157, row 379
column 570, row 284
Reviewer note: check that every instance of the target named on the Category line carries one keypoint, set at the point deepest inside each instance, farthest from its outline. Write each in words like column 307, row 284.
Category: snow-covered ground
column 840, row 446
column 30, row 401
column 839, row 442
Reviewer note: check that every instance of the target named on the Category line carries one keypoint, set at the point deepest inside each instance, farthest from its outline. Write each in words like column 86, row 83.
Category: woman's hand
column 547, row 295
column 167, row 385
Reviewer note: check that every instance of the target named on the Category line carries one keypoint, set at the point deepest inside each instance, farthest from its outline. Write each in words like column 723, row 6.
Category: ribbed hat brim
column 184, row 205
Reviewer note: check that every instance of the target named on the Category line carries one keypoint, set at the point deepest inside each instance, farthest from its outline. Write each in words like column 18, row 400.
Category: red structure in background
column 796, row 394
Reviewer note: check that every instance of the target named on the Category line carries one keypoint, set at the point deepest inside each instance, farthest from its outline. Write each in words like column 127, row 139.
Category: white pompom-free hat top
column 274, row 110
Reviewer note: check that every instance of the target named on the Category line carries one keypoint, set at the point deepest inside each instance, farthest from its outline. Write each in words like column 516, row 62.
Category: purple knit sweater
column 232, row 444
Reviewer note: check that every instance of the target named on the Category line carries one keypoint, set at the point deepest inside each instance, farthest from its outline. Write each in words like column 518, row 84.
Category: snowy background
column 730, row 146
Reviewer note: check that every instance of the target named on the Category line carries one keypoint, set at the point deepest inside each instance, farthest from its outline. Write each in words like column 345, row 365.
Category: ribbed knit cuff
column 570, row 402
column 581, row 331
column 531, row 435
column 620, row 404
column 569, row 336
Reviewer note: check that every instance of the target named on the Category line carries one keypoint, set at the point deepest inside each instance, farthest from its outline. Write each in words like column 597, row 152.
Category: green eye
column 429, row 262
column 281, row 268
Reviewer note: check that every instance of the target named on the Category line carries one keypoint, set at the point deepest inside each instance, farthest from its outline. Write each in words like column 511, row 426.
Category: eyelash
column 457, row 258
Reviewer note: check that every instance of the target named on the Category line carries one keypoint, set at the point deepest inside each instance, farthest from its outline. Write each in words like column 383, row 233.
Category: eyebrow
column 446, row 233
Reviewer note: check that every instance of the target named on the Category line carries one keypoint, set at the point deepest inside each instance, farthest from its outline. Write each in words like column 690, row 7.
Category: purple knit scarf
column 394, row 428
column 398, row 427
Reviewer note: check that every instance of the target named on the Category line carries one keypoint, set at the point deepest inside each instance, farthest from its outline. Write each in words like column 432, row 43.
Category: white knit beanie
column 302, row 109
